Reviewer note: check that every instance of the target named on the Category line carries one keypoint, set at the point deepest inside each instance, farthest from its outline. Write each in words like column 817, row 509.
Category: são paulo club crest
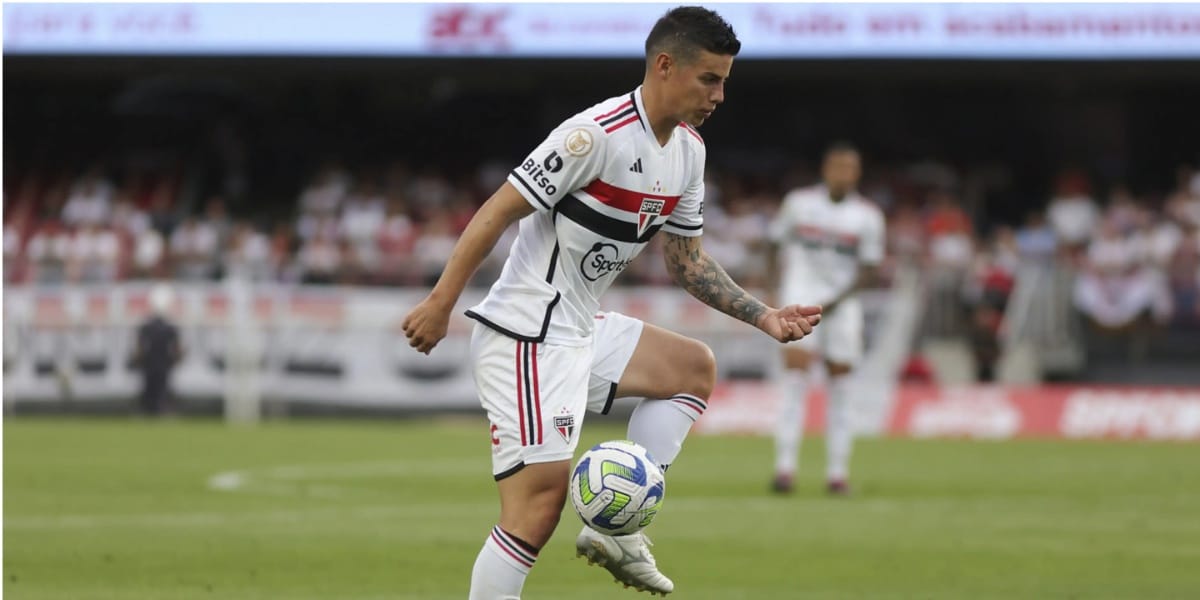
column 564, row 424
column 650, row 208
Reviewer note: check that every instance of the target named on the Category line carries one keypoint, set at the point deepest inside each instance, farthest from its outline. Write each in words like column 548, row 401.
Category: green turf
column 398, row 509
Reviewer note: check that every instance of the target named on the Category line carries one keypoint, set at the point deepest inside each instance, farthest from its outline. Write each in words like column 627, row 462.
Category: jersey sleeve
column 571, row 157
column 870, row 250
column 688, row 218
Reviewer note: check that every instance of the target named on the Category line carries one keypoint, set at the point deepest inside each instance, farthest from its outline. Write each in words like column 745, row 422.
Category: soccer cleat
column 782, row 484
column 838, row 487
column 627, row 557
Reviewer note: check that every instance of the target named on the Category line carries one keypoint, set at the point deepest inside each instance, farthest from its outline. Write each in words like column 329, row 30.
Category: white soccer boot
column 627, row 557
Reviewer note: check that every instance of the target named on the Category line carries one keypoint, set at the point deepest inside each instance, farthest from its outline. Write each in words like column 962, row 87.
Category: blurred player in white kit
column 827, row 243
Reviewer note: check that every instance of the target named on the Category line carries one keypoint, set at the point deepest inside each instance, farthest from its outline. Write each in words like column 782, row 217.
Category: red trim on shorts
column 537, row 395
column 520, row 408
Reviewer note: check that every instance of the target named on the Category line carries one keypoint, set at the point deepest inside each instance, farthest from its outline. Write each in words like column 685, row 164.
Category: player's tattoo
column 695, row 271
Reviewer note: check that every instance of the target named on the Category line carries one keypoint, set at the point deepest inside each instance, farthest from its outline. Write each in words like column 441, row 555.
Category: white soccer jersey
column 824, row 242
column 602, row 186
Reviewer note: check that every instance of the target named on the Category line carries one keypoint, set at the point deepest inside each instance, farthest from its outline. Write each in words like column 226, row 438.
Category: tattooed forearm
column 695, row 271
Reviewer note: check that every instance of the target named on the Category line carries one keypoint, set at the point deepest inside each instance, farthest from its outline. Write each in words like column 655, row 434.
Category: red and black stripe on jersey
column 622, row 115
column 576, row 209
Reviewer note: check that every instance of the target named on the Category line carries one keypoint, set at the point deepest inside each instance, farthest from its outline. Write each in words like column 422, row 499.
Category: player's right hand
column 790, row 323
column 426, row 324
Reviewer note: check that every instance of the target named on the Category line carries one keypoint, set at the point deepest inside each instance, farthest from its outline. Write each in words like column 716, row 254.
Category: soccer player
column 831, row 241
column 588, row 199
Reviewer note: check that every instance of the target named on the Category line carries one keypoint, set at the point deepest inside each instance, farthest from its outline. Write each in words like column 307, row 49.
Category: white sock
column 789, row 428
column 501, row 567
column 839, row 437
column 660, row 426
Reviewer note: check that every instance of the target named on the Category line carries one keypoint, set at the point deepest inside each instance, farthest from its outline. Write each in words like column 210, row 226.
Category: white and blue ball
column 617, row 488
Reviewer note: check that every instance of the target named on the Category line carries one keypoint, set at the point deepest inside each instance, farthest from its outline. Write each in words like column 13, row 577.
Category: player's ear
column 663, row 63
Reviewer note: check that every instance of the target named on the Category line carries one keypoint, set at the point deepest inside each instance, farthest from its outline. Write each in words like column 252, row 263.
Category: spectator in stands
column 1183, row 274
column 747, row 228
column 1158, row 236
column 48, row 250
column 194, row 250
column 249, row 254
column 163, row 217
column 434, row 245
column 217, row 219
column 157, row 352
column 993, row 278
column 1183, row 204
column 906, row 232
column 719, row 240
column 1036, row 240
column 89, row 200
column 1073, row 213
column 325, row 193
column 950, row 252
column 127, row 218
column 429, row 193
column 93, row 255
column 149, row 253
column 363, row 217
column 396, row 240
column 1117, row 288
column 321, row 258
column 18, row 227
column 283, row 247
column 1122, row 209
column 462, row 208
column 949, row 231
column 311, row 226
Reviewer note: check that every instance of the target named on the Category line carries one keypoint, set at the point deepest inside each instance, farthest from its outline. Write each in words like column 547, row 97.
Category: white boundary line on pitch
column 284, row 480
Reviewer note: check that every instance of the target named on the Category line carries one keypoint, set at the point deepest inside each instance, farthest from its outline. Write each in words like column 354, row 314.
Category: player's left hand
column 790, row 323
column 426, row 324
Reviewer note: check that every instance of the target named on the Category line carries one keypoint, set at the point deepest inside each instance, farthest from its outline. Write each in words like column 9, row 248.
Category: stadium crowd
column 1136, row 257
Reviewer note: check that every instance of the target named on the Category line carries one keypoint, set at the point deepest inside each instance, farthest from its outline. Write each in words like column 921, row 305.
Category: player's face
column 695, row 88
column 841, row 171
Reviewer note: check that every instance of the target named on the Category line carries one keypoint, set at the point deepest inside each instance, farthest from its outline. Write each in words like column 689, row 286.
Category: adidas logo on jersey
column 637, row 166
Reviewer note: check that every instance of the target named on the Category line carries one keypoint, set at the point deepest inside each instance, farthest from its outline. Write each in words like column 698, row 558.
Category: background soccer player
column 588, row 200
column 830, row 240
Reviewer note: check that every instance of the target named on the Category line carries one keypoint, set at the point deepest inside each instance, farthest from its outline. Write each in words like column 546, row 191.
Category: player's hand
column 426, row 324
column 790, row 323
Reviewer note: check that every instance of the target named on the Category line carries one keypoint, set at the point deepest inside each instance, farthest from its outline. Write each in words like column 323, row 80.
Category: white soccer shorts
column 615, row 339
column 839, row 337
column 535, row 394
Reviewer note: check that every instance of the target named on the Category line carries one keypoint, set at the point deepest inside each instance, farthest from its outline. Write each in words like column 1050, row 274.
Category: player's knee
column 796, row 358
column 701, row 373
column 838, row 369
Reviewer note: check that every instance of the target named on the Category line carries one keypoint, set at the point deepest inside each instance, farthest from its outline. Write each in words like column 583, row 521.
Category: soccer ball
column 617, row 488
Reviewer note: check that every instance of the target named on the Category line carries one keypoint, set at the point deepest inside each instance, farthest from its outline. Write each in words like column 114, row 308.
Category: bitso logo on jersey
column 650, row 208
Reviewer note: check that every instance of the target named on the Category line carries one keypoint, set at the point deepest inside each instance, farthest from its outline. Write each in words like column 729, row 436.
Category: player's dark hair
column 840, row 147
column 686, row 30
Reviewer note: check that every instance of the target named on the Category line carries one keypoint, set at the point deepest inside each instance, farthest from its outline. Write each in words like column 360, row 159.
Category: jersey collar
column 640, row 107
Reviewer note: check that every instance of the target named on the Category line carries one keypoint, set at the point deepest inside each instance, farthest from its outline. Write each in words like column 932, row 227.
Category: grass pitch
column 123, row 509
